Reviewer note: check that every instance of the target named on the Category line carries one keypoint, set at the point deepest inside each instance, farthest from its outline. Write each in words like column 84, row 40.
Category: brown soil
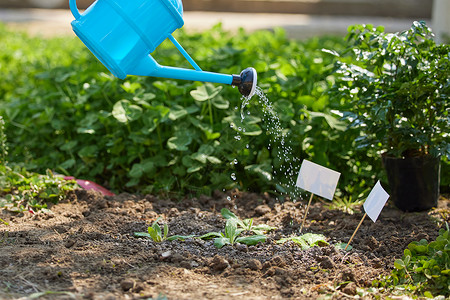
column 85, row 248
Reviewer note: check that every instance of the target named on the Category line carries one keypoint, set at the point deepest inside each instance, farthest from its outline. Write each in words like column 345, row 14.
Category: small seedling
column 154, row 232
column 246, row 224
column 306, row 240
column 231, row 236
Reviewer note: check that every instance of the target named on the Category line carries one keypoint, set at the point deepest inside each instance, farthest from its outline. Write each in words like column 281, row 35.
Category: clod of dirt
column 218, row 263
column 261, row 210
column 326, row 262
column 255, row 265
column 350, row 289
column 278, row 261
column 127, row 284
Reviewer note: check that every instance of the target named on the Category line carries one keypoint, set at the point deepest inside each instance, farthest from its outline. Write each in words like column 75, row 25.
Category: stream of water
column 278, row 137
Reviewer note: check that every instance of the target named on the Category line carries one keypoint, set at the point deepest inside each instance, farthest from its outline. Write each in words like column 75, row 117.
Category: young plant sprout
column 246, row 224
column 154, row 232
column 231, row 236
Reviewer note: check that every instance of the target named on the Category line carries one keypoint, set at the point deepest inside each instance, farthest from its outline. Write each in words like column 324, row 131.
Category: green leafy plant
column 307, row 240
column 155, row 233
column 399, row 88
column 231, row 236
column 246, row 224
column 424, row 269
column 21, row 190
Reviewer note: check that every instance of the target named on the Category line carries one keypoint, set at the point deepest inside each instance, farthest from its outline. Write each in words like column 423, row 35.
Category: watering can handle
column 74, row 9
column 185, row 54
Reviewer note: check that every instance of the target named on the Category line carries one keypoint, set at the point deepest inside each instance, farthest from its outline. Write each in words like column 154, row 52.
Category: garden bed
column 85, row 247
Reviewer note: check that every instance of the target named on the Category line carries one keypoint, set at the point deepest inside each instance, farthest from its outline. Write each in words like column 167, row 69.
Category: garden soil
column 85, row 248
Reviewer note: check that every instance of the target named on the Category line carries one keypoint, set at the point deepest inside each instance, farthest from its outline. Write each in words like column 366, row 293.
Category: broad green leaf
column 124, row 111
column 140, row 169
column 220, row 103
column 179, row 142
column 221, row 241
column 227, row 214
column 341, row 246
column 205, row 92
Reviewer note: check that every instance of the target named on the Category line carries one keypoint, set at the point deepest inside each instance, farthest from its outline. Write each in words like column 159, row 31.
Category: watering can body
column 123, row 33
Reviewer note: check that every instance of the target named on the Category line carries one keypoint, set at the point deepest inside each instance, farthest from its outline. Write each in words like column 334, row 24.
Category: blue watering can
column 123, row 33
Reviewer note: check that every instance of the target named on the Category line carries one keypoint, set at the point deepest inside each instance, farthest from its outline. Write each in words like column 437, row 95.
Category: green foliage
column 155, row 233
column 246, row 224
column 424, row 269
column 399, row 89
column 307, row 240
column 64, row 111
column 21, row 190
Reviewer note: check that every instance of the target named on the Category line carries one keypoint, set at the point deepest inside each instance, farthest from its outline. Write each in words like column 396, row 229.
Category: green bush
column 65, row 111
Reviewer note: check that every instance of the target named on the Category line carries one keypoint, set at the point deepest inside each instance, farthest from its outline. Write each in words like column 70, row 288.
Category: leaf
column 399, row 264
column 227, row 214
column 220, row 103
column 210, row 235
column 124, row 111
column 166, row 231
column 251, row 240
column 221, row 241
column 231, row 230
column 179, row 142
column 205, row 92
column 142, row 234
column 341, row 246
column 180, row 237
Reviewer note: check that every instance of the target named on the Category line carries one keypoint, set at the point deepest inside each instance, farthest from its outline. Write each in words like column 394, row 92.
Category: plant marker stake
column 373, row 205
column 306, row 212
column 362, row 219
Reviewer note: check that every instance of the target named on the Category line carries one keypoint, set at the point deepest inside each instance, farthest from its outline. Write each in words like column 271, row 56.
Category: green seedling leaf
column 306, row 240
column 180, row 237
column 227, row 214
column 341, row 246
column 210, row 235
column 221, row 241
column 231, row 230
column 251, row 240
column 143, row 234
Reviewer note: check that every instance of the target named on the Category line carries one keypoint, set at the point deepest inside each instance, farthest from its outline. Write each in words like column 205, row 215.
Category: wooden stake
column 306, row 212
column 362, row 219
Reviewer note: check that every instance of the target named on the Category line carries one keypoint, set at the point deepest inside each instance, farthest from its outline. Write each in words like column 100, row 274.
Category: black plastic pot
column 413, row 181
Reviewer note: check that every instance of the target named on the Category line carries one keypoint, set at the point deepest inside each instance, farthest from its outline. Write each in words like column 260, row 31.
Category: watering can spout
column 246, row 81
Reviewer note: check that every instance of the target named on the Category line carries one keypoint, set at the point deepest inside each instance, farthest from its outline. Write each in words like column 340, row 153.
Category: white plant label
column 317, row 179
column 375, row 201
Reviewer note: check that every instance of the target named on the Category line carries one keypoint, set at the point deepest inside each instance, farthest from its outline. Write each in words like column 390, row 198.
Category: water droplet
column 235, row 161
column 228, row 198
column 238, row 137
column 231, row 125
column 247, row 146
column 233, row 176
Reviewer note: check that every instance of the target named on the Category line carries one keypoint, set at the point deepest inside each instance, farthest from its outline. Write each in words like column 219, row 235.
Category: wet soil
column 85, row 248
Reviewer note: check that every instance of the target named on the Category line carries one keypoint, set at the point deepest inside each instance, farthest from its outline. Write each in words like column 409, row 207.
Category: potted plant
column 398, row 87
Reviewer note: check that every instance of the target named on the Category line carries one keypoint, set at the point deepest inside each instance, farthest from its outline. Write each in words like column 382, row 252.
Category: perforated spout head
column 246, row 82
